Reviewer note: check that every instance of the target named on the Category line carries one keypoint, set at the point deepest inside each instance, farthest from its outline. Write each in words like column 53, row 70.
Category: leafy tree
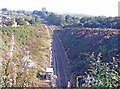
column 60, row 20
column 4, row 9
column 20, row 21
column 55, row 19
column 30, row 20
column 104, row 74
column 9, row 23
column 69, row 19
column 37, row 19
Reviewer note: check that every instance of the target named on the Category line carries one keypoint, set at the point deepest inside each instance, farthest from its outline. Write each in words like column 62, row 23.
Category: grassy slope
column 34, row 39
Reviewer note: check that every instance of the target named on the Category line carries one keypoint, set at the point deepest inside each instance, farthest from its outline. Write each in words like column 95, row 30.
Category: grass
column 33, row 39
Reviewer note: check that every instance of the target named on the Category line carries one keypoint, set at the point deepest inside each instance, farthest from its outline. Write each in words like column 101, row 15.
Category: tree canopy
column 88, row 22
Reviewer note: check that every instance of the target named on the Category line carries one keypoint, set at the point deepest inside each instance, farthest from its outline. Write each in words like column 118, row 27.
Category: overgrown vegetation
column 25, row 54
column 80, row 44
column 87, row 22
column 91, row 45
column 100, row 74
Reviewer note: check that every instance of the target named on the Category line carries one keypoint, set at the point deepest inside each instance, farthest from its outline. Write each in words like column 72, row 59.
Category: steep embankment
column 81, row 44
column 25, row 53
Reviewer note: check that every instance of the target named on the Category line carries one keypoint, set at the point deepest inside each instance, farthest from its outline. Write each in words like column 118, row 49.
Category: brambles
column 101, row 74
column 80, row 43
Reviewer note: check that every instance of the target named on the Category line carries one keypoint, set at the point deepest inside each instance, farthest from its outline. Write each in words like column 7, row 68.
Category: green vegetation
column 20, row 21
column 87, row 22
column 25, row 54
column 100, row 74
column 91, row 45
column 80, row 44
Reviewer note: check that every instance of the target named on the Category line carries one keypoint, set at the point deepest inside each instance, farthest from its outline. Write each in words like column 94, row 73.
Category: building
column 49, row 73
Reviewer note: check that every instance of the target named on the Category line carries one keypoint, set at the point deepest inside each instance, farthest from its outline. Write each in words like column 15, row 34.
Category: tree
column 30, row 20
column 20, row 21
column 37, row 19
column 60, row 20
column 44, row 9
column 4, row 9
column 55, row 19
column 9, row 23
column 68, row 19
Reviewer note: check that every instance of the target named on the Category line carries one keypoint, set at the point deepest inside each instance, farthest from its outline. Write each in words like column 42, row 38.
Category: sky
column 89, row 7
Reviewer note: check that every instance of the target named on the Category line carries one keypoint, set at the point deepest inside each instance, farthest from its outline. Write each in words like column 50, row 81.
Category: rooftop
column 49, row 69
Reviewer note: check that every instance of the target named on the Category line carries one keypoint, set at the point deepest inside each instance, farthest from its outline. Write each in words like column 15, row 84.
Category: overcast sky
column 90, row 7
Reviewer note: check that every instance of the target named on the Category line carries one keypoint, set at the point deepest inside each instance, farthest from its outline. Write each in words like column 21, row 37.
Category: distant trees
column 26, row 21
column 68, row 19
column 42, row 14
column 55, row 19
column 30, row 20
column 4, row 9
column 9, row 23
column 20, row 21
column 64, row 20
column 100, row 22
column 88, row 22
column 44, row 9
column 37, row 19
column 51, row 18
